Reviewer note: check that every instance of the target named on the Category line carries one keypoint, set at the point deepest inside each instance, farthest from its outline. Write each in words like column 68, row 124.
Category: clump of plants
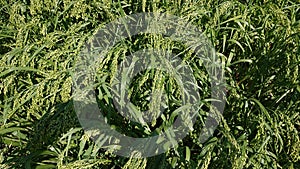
column 257, row 42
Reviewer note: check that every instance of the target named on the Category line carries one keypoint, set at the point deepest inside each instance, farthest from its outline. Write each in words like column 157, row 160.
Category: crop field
column 257, row 44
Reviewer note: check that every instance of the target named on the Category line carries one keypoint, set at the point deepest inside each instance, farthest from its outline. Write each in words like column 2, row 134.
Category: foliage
column 258, row 42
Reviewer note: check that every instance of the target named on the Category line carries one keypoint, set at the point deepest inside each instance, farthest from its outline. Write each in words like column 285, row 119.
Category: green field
column 257, row 42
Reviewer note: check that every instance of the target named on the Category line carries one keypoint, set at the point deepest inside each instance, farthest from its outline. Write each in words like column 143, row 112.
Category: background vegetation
column 258, row 42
